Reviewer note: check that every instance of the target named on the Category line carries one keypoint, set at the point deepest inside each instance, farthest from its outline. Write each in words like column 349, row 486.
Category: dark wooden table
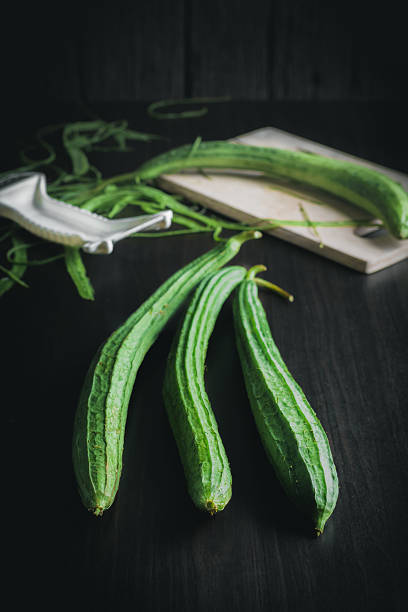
column 344, row 339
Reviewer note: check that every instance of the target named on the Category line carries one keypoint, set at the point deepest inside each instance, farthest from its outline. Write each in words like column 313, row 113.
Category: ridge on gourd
column 99, row 425
column 292, row 435
column 191, row 418
column 369, row 189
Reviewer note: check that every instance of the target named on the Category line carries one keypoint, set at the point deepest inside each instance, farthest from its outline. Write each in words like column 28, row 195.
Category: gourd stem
column 285, row 294
column 252, row 272
column 242, row 237
column 264, row 283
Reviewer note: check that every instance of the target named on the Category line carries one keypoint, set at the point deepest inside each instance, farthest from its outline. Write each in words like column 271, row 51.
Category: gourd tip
column 211, row 507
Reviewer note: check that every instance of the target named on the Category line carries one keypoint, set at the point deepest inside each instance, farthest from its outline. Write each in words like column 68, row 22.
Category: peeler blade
column 24, row 199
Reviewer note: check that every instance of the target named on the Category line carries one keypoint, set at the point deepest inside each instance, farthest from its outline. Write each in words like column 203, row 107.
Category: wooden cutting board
column 251, row 197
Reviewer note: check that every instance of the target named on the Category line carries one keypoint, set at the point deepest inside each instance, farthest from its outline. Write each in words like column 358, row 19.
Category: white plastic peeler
column 24, row 199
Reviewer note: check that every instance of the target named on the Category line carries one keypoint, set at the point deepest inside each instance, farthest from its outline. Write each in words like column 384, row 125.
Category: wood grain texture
column 229, row 44
column 263, row 49
column 311, row 50
column 344, row 340
column 321, row 50
column 133, row 51
column 41, row 57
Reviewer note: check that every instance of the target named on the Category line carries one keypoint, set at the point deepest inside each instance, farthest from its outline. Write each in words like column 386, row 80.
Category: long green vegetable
column 100, row 420
column 191, row 418
column 291, row 433
column 361, row 186
column 84, row 186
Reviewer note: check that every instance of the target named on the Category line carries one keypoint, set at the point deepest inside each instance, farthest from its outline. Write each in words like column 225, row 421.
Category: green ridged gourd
column 100, row 420
column 368, row 189
column 291, row 433
column 188, row 407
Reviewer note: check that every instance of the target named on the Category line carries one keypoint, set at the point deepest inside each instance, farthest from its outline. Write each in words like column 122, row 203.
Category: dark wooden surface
column 258, row 49
column 344, row 339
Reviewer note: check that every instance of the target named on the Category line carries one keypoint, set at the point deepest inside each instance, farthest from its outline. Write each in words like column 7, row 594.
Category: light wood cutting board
column 251, row 197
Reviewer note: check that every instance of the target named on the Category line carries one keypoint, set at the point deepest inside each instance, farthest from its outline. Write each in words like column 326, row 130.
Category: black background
column 109, row 51
column 333, row 73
